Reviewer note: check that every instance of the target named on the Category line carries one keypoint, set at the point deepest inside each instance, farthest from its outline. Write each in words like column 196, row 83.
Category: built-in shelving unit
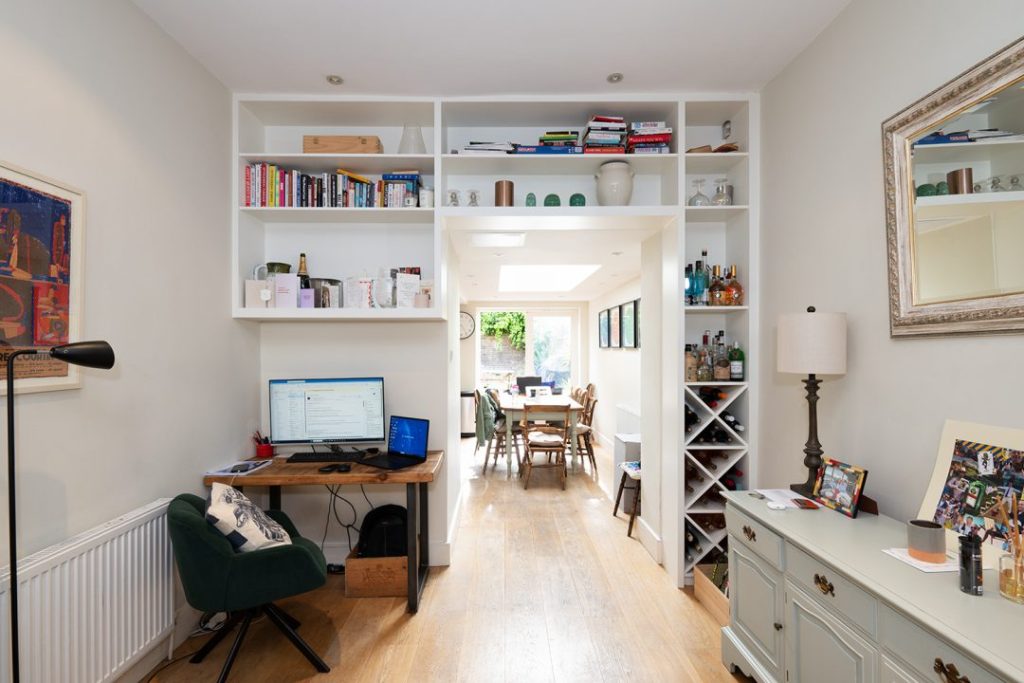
column 730, row 234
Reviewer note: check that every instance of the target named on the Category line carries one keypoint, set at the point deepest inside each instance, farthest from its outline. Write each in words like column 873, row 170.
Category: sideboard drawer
column 755, row 536
column 832, row 590
column 924, row 652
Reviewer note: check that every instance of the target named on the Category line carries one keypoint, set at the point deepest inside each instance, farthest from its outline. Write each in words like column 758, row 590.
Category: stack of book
column 488, row 148
column 554, row 142
column 605, row 135
column 401, row 188
column 648, row 137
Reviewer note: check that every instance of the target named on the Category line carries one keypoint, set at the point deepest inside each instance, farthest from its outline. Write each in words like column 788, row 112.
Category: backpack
column 383, row 532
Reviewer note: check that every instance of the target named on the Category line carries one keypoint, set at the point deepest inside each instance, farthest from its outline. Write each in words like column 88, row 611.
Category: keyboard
column 328, row 456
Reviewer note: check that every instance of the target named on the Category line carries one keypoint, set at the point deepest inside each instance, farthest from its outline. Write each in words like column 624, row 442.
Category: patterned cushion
column 582, row 428
column 246, row 526
column 545, row 439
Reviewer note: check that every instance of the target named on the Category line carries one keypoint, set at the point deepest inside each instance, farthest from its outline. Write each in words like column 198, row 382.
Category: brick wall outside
column 498, row 359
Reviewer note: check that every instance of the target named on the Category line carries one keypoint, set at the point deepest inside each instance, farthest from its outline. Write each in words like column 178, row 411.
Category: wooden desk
column 512, row 406
column 283, row 473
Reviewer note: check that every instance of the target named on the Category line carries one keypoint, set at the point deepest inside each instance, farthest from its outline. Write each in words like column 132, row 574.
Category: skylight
column 543, row 278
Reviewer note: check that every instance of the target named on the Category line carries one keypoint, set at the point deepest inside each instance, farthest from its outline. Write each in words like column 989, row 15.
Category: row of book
column 605, row 134
column 269, row 185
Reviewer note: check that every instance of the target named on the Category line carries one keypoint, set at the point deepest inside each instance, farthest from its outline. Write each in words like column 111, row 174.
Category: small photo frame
column 839, row 486
column 602, row 328
column 615, row 326
column 628, row 325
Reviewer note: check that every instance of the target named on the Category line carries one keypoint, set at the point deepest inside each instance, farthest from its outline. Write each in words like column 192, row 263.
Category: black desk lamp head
column 89, row 354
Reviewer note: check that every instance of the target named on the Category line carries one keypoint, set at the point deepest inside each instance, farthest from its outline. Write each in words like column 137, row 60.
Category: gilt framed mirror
column 954, row 204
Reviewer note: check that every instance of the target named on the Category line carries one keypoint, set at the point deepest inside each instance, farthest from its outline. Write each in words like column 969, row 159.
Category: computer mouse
column 344, row 467
column 239, row 468
column 372, row 451
column 327, row 468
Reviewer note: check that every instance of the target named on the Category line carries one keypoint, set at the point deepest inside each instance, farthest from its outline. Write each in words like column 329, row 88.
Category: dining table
column 512, row 406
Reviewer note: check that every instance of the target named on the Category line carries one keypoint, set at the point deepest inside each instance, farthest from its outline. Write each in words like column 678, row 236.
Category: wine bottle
column 692, row 419
column 711, row 395
column 733, row 423
column 303, row 273
column 706, row 461
column 693, row 473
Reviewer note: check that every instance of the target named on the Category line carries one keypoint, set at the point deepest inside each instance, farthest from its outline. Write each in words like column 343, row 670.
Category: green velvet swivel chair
column 217, row 579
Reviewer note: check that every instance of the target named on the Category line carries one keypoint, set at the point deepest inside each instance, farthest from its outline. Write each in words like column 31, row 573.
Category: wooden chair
column 497, row 442
column 585, row 432
column 545, row 438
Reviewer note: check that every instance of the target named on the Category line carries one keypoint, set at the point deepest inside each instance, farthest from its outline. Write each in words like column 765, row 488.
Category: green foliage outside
column 505, row 325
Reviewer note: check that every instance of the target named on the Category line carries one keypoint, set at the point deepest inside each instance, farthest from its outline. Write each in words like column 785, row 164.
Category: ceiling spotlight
column 335, row 79
column 615, row 77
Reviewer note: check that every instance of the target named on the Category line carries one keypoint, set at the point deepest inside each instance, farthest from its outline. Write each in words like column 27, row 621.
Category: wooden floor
column 544, row 585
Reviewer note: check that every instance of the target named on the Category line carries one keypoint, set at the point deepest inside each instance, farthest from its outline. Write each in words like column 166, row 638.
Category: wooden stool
column 630, row 470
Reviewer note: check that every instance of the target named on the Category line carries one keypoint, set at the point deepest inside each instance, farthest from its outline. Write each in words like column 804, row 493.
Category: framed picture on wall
column 40, row 276
column 602, row 329
column 628, row 325
column 637, row 314
column 615, row 326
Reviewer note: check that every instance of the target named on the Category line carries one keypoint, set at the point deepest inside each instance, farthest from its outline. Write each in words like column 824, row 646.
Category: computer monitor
column 340, row 410
column 528, row 381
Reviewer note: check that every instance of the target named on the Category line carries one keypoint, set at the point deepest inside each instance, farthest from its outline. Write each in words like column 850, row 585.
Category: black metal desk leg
column 412, row 565
column 275, row 497
column 424, row 539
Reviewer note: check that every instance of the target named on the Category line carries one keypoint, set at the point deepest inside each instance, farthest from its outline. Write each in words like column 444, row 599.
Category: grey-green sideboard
column 813, row 598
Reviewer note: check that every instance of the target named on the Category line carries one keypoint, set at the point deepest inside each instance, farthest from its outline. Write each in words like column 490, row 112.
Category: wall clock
column 467, row 325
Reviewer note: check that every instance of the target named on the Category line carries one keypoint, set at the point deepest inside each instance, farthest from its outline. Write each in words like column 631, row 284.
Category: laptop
column 407, row 444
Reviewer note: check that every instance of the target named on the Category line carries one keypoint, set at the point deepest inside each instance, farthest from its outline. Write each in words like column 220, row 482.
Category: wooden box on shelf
column 709, row 595
column 376, row 577
column 341, row 144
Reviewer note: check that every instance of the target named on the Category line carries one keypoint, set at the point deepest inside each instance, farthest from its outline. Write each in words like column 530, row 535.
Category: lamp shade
column 812, row 343
column 90, row 354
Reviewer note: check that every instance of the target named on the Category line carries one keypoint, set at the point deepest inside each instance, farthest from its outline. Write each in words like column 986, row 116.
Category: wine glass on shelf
column 698, row 198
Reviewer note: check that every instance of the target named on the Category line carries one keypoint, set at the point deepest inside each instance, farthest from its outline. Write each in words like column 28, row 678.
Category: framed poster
column 978, row 469
column 628, row 325
column 615, row 326
column 40, row 276
column 602, row 329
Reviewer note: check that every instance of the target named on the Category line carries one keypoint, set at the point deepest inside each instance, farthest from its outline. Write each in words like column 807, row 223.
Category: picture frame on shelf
column 628, row 324
column 975, row 472
column 41, row 256
column 603, row 332
column 839, row 486
column 615, row 327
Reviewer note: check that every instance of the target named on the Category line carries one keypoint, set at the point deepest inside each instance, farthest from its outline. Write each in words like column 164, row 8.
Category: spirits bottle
column 690, row 360
column 716, row 290
column 705, row 371
column 700, row 283
column 737, row 363
column 688, row 281
column 733, row 290
column 722, row 367
column 303, row 273
column 705, row 277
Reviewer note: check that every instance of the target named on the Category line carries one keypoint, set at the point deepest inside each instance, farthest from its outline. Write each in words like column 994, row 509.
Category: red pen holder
column 264, row 450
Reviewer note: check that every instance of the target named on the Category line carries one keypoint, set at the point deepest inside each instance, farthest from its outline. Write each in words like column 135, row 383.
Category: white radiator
column 91, row 606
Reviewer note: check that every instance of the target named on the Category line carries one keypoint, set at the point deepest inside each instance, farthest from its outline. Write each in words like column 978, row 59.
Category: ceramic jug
column 614, row 183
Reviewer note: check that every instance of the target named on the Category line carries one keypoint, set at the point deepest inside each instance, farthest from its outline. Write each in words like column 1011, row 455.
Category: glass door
column 551, row 347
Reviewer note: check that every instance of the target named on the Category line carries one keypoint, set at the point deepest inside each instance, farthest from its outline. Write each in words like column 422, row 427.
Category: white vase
column 412, row 141
column 614, row 183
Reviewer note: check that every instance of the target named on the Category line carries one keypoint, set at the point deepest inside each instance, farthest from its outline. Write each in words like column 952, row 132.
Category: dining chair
column 545, row 438
column 585, row 432
column 497, row 443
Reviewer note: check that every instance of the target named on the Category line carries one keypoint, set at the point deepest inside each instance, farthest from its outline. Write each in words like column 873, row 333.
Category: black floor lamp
column 90, row 354
column 812, row 344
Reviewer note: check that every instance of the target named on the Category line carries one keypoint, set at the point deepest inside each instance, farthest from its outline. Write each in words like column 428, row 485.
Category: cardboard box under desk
column 341, row 144
column 708, row 594
column 376, row 577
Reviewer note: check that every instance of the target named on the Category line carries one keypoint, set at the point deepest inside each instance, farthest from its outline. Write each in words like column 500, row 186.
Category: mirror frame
column 987, row 315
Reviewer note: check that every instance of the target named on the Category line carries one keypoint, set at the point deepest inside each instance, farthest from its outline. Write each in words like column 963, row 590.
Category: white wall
column 824, row 244
column 615, row 374
column 97, row 96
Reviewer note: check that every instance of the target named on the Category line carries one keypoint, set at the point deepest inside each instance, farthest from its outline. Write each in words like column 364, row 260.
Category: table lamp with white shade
column 812, row 344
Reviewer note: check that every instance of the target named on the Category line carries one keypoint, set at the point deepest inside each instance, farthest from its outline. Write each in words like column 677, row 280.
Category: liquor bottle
column 691, row 359
column 733, row 423
column 722, row 364
column 303, row 273
column 700, row 283
column 733, row 289
column 737, row 363
column 705, row 277
column 705, row 370
column 716, row 290
column 689, row 284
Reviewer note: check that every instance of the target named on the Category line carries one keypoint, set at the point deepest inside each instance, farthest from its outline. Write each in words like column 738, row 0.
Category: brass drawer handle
column 749, row 533
column 824, row 585
column 949, row 672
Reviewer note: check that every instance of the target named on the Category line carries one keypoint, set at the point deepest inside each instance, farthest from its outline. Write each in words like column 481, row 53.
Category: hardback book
column 650, row 139
column 604, row 149
column 637, row 125
column 650, row 130
column 548, row 149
